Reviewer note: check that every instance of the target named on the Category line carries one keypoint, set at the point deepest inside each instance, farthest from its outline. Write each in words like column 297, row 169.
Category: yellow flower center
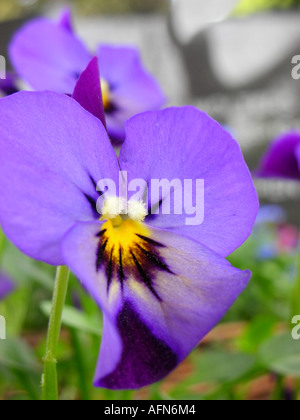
column 126, row 252
column 106, row 97
column 123, row 226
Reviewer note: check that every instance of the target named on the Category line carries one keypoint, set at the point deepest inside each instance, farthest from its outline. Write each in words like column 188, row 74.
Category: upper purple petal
column 186, row 144
column 88, row 91
column 65, row 20
column 282, row 160
column 133, row 89
column 154, row 316
column 48, row 56
column 52, row 154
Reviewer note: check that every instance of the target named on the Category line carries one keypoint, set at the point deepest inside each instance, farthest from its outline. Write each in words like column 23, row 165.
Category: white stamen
column 117, row 206
column 114, row 206
column 137, row 210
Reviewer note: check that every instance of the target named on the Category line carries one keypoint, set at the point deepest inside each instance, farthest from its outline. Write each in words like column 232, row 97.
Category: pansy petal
column 87, row 91
column 185, row 144
column 116, row 125
column 156, row 315
column 142, row 358
column 298, row 156
column 81, row 248
column 140, row 93
column 47, row 56
column 6, row 285
column 65, row 20
column 282, row 158
column 132, row 88
column 110, row 57
column 52, row 154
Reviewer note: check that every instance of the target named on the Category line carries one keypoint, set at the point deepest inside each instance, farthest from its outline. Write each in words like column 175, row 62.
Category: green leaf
column 74, row 318
column 281, row 355
column 257, row 332
column 16, row 354
column 18, row 359
column 220, row 366
column 27, row 269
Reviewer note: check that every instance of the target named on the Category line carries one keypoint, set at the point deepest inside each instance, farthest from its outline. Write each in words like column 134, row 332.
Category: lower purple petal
column 156, row 310
column 145, row 358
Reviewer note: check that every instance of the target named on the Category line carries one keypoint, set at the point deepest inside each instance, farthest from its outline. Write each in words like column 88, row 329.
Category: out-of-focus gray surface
column 150, row 34
column 256, row 112
column 191, row 16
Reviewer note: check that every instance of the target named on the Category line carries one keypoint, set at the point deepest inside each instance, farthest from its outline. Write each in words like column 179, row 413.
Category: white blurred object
column 150, row 34
column 243, row 50
column 191, row 16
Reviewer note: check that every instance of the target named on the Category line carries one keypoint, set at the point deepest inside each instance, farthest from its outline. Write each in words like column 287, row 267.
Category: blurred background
column 233, row 59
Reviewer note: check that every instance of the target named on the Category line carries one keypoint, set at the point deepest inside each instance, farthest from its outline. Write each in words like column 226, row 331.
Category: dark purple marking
column 100, row 254
column 145, row 358
column 144, row 276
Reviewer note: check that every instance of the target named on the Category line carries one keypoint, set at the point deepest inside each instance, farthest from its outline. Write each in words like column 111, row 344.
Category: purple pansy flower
column 6, row 285
column 282, row 160
column 161, row 283
column 49, row 56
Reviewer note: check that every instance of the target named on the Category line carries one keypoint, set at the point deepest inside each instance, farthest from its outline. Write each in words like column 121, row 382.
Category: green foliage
column 76, row 319
column 246, row 7
column 13, row 8
column 281, row 354
column 120, row 6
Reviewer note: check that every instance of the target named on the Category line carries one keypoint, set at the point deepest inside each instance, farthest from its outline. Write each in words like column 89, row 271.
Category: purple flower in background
column 270, row 214
column 49, row 56
column 162, row 284
column 6, row 285
column 8, row 85
column 282, row 160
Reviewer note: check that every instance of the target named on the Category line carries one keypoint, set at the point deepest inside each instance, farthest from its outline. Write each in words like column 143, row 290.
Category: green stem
column 49, row 380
